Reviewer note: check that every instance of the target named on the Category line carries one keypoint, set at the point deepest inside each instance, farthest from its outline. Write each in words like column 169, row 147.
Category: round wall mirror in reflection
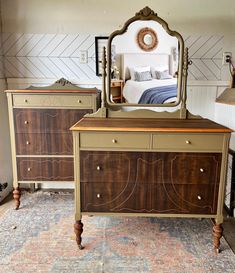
column 147, row 39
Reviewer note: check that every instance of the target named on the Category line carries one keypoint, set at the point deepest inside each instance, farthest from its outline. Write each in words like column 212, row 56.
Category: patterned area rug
column 39, row 238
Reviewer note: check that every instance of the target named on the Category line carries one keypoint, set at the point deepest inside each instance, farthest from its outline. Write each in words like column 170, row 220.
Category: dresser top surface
column 41, row 91
column 149, row 125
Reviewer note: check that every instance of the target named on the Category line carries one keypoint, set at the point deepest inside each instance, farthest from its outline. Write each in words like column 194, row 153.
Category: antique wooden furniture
column 42, row 148
column 116, row 90
column 147, row 163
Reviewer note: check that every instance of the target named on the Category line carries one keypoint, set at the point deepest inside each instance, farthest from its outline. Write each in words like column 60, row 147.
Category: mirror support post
column 103, row 94
column 183, row 110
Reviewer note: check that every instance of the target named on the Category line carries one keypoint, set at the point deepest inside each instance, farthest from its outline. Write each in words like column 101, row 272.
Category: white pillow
column 158, row 68
column 138, row 69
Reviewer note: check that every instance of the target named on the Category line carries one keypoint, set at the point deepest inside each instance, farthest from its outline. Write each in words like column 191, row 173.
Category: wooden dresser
column 42, row 146
column 150, row 167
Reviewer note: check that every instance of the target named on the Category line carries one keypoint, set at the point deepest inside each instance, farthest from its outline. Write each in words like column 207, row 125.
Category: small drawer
column 45, row 169
column 115, row 140
column 188, row 142
column 26, row 100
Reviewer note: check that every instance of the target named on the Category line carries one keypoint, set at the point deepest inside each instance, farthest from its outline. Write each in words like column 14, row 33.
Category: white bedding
column 133, row 90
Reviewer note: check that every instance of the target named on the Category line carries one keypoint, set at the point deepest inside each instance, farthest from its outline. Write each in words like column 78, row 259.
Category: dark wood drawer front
column 44, row 144
column 46, row 120
column 193, row 168
column 45, row 169
column 149, row 198
column 145, row 167
column 107, row 166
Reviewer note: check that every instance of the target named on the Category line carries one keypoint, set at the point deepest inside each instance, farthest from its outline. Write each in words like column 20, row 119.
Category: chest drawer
column 45, row 169
column 115, row 140
column 188, row 142
column 46, row 120
column 44, row 144
column 55, row 100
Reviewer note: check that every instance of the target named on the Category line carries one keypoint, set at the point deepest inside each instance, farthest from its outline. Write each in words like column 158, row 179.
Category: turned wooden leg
column 16, row 196
column 78, row 229
column 217, row 233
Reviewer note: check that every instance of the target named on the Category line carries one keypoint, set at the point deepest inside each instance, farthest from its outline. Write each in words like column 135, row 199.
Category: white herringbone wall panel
column 44, row 56
column 206, row 55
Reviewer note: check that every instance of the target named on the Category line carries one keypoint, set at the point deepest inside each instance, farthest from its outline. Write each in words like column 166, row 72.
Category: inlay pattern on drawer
column 44, row 144
column 45, row 169
column 46, row 120
column 151, row 198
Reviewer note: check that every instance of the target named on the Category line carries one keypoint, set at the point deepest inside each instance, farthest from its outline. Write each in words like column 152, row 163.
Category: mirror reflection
column 144, row 65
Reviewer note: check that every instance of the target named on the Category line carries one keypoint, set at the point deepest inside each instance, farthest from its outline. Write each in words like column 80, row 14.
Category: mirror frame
column 146, row 14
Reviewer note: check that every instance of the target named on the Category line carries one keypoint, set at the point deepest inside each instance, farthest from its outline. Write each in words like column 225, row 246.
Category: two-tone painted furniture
column 141, row 162
column 150, row 168
column 40, row 118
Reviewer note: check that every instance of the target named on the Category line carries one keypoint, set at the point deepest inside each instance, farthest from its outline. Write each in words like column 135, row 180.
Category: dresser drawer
column 44, row 144
column 115, row 140
column 149, row 198
column 109, row 167
column 28, row 100
column 45, row 169
column 46, row 120
column 188, row 142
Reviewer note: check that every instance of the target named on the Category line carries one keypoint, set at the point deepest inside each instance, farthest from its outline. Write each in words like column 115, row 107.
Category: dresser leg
column 16, row 196
column 217, row 233
column 78, row 229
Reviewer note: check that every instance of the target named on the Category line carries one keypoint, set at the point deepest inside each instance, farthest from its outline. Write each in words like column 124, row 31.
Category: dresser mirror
column 148, row 57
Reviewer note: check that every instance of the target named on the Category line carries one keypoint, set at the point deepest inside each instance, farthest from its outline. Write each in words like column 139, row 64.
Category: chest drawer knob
column 114, row 140
column 98, row 195
column 98, row 168
column 26, row 122
column 79, row 101
column 29, row 169
column 25, row 100
column 27, row 142
column 199, row 197
column 188, row 142
column 201, row 170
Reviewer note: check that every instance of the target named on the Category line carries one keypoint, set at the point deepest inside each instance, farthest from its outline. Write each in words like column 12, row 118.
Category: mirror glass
column 145, row 67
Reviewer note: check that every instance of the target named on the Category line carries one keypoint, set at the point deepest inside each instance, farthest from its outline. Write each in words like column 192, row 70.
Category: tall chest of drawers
column 150, row 167
column 42, row 146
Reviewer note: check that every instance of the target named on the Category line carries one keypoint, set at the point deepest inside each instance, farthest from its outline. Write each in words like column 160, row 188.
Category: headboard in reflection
column 151, row 74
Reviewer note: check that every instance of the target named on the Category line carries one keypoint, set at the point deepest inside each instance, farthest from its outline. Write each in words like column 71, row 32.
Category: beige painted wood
column 188, row 142
column 115, row 140
column 52, row 100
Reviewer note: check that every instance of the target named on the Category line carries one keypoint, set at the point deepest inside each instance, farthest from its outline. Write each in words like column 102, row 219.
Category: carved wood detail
column 217, row 233
column 16, row 196
column 78, row 229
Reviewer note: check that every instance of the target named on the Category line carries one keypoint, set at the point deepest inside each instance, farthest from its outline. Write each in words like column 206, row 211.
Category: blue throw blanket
column 158, row 95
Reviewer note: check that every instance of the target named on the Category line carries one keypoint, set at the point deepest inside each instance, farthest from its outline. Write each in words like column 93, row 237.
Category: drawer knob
column 201, row 170
column 114, row 140
column 26, row 122
column 188, row 142
column 98, row 195
column 29, row 169
column 27, row 142
column 98, row 168
column 79, row 101
column 199, row 197
column 25, row 100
